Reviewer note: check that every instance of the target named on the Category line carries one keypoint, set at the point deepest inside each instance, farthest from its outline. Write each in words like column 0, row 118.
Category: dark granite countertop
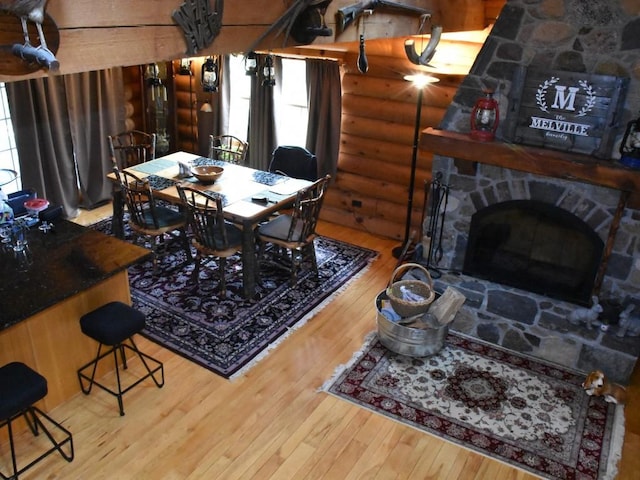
column 61, row 263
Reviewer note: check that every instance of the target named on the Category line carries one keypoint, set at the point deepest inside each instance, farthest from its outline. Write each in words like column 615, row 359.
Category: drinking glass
column 19, row 236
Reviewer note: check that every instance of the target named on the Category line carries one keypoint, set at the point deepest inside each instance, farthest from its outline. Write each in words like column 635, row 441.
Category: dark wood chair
column 213, row 236
column 149, row 220
column 227, row 148
column 131, row 148
column 295, row 232
column 296, row 162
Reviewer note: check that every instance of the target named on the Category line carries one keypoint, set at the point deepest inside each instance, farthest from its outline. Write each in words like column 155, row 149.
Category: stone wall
column 595, row 36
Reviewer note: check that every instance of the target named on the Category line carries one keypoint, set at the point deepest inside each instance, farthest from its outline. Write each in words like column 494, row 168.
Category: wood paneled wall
column 379, row 110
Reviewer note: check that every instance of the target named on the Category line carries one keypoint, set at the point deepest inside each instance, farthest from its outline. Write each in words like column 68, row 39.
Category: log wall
column 379, row 110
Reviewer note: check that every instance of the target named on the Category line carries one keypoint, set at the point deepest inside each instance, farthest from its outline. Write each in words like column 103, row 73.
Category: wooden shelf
column 541, row 161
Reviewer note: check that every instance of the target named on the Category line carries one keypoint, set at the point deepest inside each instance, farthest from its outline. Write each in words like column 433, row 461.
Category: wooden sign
column 569, row 111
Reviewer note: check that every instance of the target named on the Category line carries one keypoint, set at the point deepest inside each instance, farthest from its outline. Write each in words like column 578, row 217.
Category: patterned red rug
column 529, row 414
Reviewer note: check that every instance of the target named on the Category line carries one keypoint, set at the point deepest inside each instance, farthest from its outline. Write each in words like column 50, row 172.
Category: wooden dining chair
column 132, row 148
column 150, row 221
column 294, row 232
column 227, row 148
column 213, row 236
column 296, row 162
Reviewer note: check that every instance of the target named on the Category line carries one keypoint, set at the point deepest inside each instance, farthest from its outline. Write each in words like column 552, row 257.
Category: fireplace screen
column 534, row 246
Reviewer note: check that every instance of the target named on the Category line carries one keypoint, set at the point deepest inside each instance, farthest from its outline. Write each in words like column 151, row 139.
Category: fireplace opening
column 534, row 246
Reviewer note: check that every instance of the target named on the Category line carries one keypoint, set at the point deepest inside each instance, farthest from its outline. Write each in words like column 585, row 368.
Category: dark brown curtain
column 262, row 124
column 325, row 112
column 61, row 126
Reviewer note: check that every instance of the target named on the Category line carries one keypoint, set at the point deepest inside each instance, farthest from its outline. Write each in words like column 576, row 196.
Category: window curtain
column 262, row 122
column 325, row 113
column 225, row 96
column 213, row 114
column 61, row 126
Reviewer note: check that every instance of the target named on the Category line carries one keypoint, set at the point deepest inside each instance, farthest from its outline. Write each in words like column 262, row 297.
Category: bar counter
column 67, row 272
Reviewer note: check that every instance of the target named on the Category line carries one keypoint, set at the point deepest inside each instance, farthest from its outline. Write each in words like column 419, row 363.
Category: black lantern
column 630, row 146
column 251, row 63
column 185, row 67
column 485, row 118
column 268, row 72
column 210, row 75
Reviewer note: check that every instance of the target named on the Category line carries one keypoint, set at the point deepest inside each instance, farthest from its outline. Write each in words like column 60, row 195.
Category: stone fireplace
column 591, row 220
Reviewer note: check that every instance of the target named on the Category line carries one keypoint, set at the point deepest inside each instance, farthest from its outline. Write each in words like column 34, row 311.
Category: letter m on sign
column 564, row 100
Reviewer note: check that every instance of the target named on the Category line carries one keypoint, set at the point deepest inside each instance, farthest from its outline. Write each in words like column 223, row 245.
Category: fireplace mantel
column 541, row 161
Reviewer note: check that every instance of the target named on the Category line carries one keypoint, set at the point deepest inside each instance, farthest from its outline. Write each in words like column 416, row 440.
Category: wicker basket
column 406, row 308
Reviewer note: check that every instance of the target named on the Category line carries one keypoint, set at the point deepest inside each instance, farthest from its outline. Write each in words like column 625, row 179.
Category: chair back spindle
column 227, row 148
column 132, row 147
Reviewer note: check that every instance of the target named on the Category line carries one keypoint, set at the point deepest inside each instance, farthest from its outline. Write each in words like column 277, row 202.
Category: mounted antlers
column 427, row 54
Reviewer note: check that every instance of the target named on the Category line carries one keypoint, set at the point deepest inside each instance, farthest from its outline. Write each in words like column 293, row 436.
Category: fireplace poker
column 439, row 194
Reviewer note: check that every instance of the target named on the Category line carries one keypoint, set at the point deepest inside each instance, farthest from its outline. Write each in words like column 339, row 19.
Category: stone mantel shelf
column 541, row 161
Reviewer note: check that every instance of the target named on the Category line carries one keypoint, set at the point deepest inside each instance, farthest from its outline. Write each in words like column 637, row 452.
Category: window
column 293, row 111
column 240, row 94
column 292, row 108
column 8, row 151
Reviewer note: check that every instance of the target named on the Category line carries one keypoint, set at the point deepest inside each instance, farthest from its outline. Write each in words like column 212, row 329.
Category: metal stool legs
column 121, row 347
column 20, row 388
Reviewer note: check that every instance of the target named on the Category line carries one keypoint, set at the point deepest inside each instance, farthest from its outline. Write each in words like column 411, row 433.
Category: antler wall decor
column 200, row 25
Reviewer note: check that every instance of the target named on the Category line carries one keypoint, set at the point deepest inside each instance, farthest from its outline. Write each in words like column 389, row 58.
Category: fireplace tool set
column 437, row 196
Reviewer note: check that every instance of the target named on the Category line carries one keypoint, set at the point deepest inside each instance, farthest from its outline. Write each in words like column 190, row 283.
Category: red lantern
column 485, row 118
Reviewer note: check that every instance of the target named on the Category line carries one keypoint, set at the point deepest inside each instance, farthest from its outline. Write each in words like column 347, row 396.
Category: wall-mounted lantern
column 630, row 146
column 210, row 77
column 268, row 72
column 251, row 63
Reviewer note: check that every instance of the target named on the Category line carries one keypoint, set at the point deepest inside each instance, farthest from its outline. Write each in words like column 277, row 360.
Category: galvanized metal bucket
column 413, row 342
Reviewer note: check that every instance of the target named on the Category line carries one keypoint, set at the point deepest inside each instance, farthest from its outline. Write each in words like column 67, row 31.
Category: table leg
column 249, row 260
column 117, row 222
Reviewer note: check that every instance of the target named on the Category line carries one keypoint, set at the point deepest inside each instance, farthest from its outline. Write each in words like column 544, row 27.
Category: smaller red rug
column 518, row 410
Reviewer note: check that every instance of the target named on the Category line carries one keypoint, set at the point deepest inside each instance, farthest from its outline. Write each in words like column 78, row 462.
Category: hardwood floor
column 273, row 423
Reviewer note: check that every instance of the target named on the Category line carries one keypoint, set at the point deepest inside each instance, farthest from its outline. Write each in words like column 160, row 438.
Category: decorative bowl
column 207, row 173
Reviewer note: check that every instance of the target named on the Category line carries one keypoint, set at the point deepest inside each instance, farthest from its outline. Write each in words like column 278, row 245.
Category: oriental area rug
column 517, row 410
column 228, row 336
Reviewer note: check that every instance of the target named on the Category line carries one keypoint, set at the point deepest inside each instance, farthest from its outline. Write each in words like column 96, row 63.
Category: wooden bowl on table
column 207, row 173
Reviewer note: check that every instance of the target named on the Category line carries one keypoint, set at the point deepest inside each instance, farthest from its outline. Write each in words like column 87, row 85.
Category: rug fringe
column 617, row 440
column 300, row 323
column 368, row 339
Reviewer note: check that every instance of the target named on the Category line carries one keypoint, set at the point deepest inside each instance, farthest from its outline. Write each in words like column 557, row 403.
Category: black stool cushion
column 20, row 387
column 112, row 323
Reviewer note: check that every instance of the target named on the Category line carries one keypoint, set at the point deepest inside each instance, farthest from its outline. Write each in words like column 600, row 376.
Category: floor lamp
column 419, row 81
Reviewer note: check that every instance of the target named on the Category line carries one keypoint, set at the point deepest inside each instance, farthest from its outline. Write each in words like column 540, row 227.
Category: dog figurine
column 596, row 384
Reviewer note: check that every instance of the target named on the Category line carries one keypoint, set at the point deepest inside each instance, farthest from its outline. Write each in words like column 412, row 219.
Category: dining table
column 249, row 197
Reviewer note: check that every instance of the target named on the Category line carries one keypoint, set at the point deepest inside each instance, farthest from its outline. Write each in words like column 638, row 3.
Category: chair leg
column 223, row 280
column 185, row 244
column 196, row 269
column 296, row 261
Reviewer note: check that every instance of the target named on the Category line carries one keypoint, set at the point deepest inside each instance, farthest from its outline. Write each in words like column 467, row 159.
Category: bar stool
column 20, row 388
column 112, row 325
